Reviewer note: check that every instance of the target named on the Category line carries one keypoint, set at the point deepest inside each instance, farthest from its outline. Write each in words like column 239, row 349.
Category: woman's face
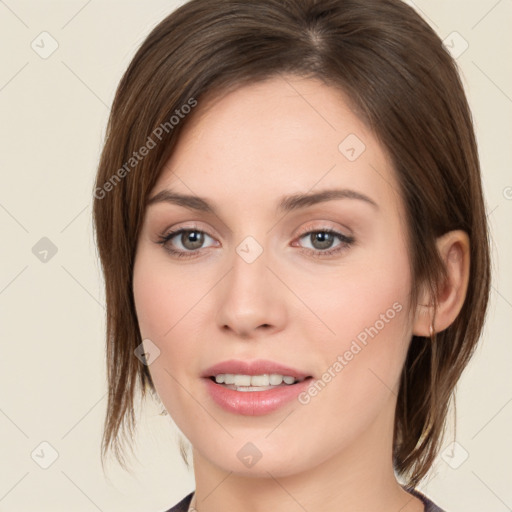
column 261, row 277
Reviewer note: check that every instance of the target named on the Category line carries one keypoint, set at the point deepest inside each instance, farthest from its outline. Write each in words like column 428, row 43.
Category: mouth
column 254, row 394
column 249, row 383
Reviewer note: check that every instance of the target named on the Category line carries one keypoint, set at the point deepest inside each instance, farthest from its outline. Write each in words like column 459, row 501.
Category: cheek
column 168, row 308
column 363, row 309
column 364, row 359
column 355, row 296
column 163, row 297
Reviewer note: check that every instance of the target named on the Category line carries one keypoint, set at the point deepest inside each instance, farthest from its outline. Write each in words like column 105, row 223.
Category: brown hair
column 404, row 86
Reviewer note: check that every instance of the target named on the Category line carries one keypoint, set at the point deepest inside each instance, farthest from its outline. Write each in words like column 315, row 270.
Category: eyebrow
column 287, row 203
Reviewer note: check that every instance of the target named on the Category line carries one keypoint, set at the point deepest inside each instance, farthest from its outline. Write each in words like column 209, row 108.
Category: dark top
column 183, row 505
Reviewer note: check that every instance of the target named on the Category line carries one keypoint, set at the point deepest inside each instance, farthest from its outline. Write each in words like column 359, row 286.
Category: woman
column 289, row 216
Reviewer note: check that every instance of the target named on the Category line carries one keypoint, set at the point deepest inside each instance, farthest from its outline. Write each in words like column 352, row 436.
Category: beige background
column 53, row 116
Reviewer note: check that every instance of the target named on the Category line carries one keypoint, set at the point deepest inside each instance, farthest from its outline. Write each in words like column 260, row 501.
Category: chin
column 257, row 459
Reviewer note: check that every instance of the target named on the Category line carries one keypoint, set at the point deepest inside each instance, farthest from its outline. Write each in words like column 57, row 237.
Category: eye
column 322, row 241
column 187, row 242
column 190, row 239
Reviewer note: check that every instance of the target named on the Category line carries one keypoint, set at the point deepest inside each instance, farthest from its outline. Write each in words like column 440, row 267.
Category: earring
column 431, row 329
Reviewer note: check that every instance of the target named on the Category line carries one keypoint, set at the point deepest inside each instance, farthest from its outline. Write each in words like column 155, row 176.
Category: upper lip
column 254, row 367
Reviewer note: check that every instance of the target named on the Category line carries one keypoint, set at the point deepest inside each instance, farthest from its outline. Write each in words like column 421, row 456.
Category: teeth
column 273, row 379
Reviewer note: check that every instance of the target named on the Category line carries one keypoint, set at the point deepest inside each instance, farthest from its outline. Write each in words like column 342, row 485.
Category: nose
column 251, row 298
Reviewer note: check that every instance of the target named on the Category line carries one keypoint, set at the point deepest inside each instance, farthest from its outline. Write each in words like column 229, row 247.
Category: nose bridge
column 249, row 275
column 250, row 297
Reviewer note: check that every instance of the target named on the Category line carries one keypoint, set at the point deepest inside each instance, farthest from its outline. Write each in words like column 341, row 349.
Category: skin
column 247, row 150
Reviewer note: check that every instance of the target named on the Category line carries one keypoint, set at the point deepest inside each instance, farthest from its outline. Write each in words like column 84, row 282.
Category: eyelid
column 305, row 230
column 171, row 233
column 187, row 227
column 313, row 226
column 345, row 240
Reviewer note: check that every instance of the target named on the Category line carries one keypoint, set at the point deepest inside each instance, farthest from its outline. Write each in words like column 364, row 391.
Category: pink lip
column 254, row 403
column 254, row 367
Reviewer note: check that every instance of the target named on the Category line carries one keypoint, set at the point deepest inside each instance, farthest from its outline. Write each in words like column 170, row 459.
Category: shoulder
column 430, row 506
column 183, row 505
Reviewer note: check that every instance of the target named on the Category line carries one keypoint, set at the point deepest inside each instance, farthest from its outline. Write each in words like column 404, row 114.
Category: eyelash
column 346, row 242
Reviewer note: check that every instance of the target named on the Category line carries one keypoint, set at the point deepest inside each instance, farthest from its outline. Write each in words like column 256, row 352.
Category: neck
column 357, row 477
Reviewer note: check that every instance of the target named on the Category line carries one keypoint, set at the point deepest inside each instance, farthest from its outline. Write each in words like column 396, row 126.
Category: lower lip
column 254, row 403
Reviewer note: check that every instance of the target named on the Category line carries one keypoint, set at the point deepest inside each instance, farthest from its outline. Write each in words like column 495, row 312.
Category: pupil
column 324, row 239
column 193, row 240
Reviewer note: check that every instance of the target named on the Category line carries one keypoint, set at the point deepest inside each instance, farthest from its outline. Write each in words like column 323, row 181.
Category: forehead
column 284, row 135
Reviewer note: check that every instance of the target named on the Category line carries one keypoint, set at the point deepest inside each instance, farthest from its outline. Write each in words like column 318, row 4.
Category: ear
column 453, row 248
